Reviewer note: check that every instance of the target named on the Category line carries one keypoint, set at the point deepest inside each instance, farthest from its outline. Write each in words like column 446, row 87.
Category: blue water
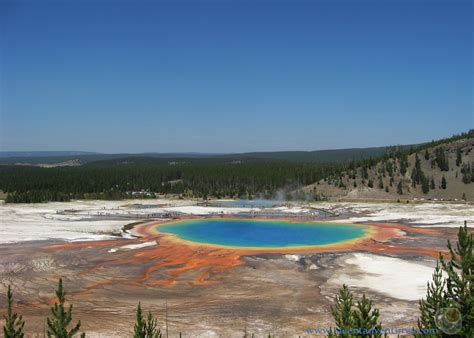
column 259, row 233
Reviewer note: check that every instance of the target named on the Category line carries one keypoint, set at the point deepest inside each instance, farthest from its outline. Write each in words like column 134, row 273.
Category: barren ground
column 218, row 293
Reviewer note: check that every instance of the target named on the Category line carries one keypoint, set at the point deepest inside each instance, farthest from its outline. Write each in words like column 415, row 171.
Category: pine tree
column 434, row 301
column 443, row 182
column 365, row 173
column 367, row 318
column 454, row 292
column 349, row 318
column 427, row 155
column 403, row 164
column 425, row 184
column 458, row 157
column 413, row 178
column 460, row 281
column 139, row 329
column 417, row 172
column 441, row 159
column 151, row 330
column 432, row 183
column 58, row 325
column 145, row 328
column 466, row 173
column 14, row 324
column 342, row 310
column 399, row 188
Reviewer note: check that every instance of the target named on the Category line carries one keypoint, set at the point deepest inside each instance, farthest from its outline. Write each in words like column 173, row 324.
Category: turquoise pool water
column 262, row 233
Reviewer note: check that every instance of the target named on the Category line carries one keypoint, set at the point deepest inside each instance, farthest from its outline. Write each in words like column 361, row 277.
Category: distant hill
column 445, row 171
column 49, row 159
column 81, row 158
column 318, row 156
column 29, row 154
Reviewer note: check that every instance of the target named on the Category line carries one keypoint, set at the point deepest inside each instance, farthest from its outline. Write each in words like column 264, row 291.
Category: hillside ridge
column 440, row 171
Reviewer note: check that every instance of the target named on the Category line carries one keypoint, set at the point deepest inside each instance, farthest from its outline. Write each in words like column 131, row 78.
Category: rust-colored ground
column 208, row 290
column 178, row 257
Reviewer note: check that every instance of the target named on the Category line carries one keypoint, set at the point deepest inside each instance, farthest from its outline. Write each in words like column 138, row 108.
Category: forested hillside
column 437, row 170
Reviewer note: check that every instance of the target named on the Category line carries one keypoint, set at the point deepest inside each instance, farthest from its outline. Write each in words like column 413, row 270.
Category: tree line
column 218, row 178
column 243, row 180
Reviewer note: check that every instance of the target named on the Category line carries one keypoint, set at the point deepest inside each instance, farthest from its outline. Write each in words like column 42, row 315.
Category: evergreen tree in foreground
column 460, row 281
column 14, row 324
column 151, row 330
column 342, row 310
column 348, row 320
column 366, row 317
column 139, row 328
column 58, row 325
column 145, row 328
column 456, row 292
column 435, row 300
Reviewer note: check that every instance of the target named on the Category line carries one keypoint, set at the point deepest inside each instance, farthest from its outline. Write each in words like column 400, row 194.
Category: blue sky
column 230, row 76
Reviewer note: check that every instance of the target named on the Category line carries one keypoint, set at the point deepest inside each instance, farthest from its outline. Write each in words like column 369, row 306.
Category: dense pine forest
column 225, row 176
column 141, row 177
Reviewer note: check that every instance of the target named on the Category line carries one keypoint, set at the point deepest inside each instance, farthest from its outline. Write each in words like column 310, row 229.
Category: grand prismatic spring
column 262, row 233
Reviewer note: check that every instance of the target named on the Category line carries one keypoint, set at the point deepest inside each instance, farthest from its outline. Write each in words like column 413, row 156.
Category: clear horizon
column 232, row 77
column 226, row 153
